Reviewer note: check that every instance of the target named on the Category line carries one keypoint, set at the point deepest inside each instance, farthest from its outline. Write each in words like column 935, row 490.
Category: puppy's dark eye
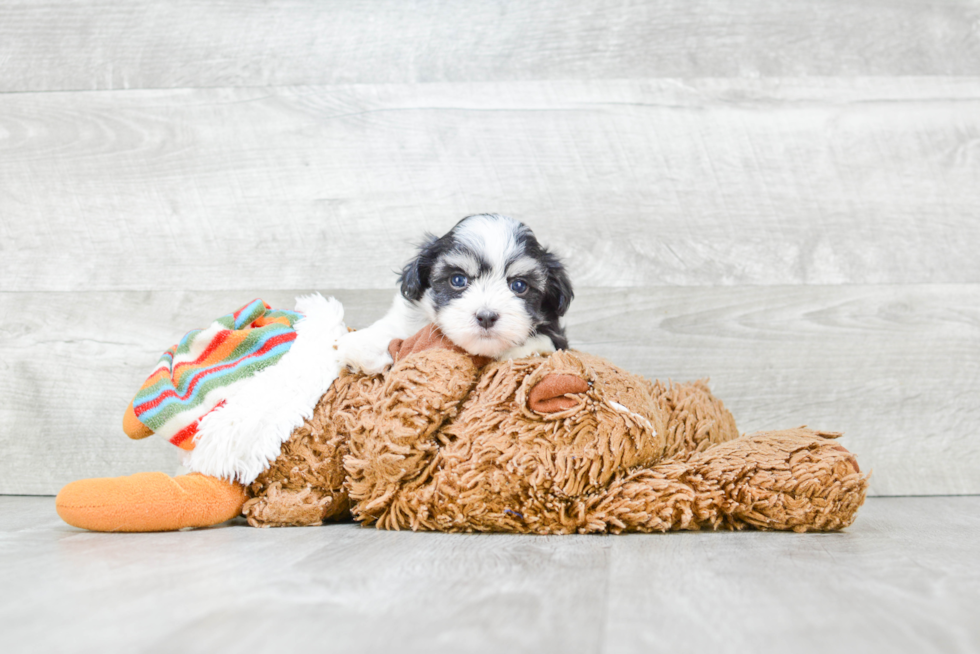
column 518, row 286
column 458, row 281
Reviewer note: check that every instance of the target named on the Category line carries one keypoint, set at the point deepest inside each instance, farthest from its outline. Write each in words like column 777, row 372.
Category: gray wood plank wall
column 781, row 196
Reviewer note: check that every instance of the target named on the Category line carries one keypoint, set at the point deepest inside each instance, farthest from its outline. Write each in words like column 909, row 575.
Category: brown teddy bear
column 566, row 443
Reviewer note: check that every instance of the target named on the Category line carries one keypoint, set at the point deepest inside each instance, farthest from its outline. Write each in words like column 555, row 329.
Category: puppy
column 488, row 285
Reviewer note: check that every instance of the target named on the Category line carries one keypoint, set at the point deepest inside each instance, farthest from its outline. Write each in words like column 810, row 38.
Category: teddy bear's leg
column 695, row 418
column 287, row 507
column 795, row 479
column 391, row 456
column 666, row 497
column 304, row 485
column 792, row 479
column 149, row 501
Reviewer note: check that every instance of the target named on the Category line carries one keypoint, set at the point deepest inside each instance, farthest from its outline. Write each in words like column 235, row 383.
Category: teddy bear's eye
column 458, row 281
column 518, row 286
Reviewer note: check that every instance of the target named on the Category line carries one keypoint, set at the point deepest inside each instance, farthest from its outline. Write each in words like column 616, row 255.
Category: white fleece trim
column 238, row 440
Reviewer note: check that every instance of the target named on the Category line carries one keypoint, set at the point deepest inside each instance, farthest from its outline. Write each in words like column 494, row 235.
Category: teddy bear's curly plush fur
column 438, row 443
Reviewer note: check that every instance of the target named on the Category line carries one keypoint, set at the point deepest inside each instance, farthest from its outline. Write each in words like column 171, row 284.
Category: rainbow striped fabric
column 195, row 376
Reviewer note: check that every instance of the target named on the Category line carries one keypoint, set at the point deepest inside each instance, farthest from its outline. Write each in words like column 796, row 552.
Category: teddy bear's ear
column 556, row 388
column 553, row 393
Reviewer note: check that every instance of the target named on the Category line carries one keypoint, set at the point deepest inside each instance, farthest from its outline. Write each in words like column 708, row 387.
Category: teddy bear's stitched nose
column 550, row 395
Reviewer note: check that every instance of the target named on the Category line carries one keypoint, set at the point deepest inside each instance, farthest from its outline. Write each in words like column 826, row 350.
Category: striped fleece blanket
column 196, row 375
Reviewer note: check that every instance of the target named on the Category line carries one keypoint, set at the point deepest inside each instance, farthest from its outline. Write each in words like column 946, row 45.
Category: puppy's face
column 489, row 286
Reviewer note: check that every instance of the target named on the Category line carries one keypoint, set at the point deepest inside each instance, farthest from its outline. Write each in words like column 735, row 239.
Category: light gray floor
column 904, row 578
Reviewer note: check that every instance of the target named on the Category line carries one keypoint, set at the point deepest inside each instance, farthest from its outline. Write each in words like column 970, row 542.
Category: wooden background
column 783, row 195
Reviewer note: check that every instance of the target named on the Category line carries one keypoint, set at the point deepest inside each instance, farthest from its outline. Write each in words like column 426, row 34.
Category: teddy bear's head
column 566, row 424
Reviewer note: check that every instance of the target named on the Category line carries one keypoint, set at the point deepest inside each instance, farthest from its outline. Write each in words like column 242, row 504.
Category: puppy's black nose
column 486, row 318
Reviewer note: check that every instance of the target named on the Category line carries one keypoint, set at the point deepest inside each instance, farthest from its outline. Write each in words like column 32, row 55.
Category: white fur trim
column 238, row 440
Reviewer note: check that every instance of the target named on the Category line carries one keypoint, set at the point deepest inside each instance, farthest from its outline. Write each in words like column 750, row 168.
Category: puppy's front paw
column 364, row 351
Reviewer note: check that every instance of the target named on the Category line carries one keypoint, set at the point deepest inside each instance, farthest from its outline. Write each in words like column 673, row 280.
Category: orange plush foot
column 149, row 501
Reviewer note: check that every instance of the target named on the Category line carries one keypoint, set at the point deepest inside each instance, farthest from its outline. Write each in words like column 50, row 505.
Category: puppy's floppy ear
column 414, row 277
column 558, row 293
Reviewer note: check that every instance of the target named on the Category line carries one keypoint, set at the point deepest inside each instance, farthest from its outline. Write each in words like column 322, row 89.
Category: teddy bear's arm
column 695, row 419
column 392, row 455
column 792, row 479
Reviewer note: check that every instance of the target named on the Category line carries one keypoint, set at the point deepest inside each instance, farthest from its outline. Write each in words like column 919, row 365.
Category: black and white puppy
column 487, row 284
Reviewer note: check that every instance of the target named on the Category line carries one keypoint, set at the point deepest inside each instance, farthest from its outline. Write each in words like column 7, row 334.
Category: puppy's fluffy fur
column 487, row 284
